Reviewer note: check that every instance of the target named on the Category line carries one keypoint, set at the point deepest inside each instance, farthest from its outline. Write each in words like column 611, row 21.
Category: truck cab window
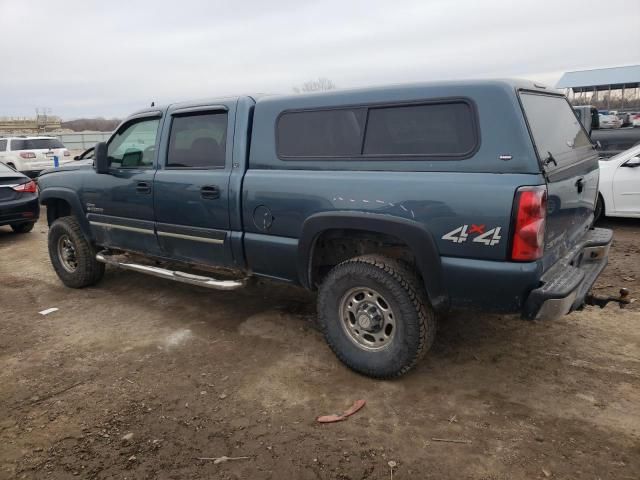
column 198, row 141
column 134, row 147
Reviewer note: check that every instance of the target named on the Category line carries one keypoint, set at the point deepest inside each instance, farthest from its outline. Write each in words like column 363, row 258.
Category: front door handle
column 143, row 187
column 580, row 184
column 210, row 192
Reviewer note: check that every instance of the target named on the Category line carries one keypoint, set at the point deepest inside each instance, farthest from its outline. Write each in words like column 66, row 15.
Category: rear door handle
column 210, row 192
column 143, row 187
column 580, row 184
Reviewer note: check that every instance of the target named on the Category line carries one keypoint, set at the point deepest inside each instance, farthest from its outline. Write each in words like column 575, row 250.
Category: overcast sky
column 108, row 58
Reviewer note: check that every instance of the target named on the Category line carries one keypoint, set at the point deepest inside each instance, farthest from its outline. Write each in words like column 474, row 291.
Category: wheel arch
column 62, row 202
column 414, row 235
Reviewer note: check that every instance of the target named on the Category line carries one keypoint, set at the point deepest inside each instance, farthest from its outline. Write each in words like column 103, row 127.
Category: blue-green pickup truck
column 396, row 204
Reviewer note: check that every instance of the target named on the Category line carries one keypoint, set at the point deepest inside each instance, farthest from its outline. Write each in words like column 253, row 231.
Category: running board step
column 176, row 276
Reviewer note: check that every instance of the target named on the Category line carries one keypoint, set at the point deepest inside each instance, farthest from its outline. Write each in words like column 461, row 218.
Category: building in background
column 77, row 135
column 39, row 124
column 606, row 88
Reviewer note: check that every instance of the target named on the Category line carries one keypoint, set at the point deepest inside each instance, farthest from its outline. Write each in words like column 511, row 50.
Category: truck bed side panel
column 442, row 202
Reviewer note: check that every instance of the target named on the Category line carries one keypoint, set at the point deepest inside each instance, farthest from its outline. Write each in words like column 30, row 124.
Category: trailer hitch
column 623, row 300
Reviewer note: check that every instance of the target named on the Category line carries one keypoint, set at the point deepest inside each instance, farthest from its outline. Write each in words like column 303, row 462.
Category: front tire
column 375, row 316
column 22, row 227
column 72, row 256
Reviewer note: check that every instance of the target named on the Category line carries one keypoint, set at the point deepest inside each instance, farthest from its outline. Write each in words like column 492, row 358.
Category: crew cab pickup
column 397, row 204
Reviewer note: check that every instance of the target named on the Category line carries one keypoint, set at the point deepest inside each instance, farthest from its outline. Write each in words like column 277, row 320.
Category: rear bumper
column 566, row 284
column 19, row 211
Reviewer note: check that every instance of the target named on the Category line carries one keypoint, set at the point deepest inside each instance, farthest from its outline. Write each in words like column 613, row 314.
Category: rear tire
column 22, row 227
column 72, row 256
column 375, row 316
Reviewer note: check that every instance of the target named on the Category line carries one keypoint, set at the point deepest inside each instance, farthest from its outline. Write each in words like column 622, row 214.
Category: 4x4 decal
column 461, row 234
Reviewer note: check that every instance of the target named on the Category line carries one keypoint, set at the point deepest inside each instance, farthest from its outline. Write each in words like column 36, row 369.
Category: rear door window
column 435, row 129
column 3, row 145
column 557, row 133
column 198, row 141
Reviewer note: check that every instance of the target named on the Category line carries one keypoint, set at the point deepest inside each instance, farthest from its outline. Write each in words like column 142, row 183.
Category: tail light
column 530, row 218
column 27, row 155
column 29, row 187
column 66, row 153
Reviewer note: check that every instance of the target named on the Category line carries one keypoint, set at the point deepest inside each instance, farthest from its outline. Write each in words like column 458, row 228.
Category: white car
column 620, row 185
column 31, row 155
column 610, row 121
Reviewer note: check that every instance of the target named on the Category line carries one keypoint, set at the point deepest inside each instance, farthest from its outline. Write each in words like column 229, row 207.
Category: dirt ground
column 140, row 377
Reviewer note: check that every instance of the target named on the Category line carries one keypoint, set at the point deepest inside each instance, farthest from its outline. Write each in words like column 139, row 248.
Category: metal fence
column 81, row 140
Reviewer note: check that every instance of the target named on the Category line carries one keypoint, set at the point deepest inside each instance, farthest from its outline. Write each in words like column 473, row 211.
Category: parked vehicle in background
column 396, row 204
column 609, row 141
column 625, row 117
column 31, row 155
column 609, row 121
column 622, row 116
column 635, row 119
column 19, row 205
column 620, row 185
column 588, row 116
column 615, row 140
column 85, row 157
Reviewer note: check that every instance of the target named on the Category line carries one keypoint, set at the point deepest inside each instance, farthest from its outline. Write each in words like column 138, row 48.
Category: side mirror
column 77, row 157
column 633, row 162
column 101, row 160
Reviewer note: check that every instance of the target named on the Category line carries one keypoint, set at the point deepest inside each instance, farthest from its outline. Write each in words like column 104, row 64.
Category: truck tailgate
column 570, row 165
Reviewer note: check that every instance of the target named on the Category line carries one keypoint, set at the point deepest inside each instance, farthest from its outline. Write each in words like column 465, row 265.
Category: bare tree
column 319, row 85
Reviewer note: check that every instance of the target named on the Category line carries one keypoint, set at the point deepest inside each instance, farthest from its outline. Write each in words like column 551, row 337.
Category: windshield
column 557, row 133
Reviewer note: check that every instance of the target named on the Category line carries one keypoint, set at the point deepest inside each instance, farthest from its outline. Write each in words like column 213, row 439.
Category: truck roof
column 343, row 95
column 428, row 88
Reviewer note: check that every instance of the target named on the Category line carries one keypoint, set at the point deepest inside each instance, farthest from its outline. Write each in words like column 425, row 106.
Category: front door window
column 134, row 147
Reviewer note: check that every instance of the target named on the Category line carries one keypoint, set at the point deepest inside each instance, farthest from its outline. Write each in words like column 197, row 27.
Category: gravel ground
column 140, row 378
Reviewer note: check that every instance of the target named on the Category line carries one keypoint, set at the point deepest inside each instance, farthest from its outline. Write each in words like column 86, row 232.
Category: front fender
column 414, row 234
column 50, row 194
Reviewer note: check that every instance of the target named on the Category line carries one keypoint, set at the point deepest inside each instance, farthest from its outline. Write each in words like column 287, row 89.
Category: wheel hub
column 67, row 253
column 367, row 318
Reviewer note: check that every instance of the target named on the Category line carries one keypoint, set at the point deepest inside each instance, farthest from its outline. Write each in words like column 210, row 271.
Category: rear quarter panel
column 441, row 195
